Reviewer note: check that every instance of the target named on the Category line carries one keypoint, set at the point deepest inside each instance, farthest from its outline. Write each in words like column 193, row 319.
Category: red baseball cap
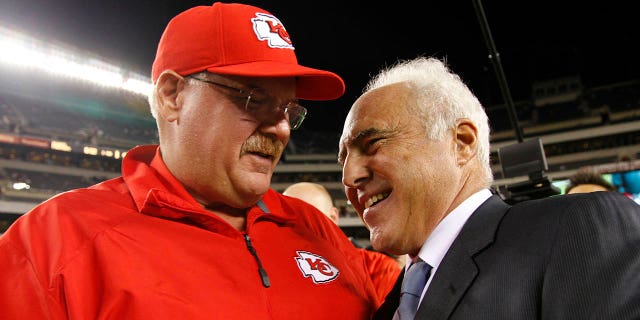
column 241, row 40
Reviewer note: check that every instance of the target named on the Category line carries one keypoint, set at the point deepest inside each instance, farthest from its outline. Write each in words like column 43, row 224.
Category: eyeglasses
column 259, row 103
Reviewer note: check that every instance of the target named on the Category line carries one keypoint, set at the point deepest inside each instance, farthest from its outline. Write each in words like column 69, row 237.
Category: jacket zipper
column 263, row 274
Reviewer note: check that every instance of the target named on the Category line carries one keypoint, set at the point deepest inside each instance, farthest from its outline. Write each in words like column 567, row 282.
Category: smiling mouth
column 375, row 199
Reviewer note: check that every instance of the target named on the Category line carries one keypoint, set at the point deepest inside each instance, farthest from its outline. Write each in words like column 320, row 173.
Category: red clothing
column 383, row 270
column 140, row 247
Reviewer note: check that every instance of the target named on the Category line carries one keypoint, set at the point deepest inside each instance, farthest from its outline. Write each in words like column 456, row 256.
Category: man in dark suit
column 415, row 156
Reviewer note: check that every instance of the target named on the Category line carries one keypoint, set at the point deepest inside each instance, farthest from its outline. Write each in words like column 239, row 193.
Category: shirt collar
column 439, row 241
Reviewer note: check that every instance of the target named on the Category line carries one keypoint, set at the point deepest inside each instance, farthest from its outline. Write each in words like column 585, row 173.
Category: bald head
column 316, row 195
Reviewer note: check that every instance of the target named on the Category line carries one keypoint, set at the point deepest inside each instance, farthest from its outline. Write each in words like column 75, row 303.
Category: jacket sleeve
column 23, row 293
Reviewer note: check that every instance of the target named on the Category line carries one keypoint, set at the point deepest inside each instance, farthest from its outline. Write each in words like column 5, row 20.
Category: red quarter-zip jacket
column 140, row 247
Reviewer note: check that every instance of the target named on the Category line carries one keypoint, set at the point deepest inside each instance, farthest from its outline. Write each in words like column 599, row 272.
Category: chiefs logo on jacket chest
column 316, row 267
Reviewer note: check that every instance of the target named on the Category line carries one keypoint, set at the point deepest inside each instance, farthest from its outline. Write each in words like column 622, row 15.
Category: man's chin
column 254, row 193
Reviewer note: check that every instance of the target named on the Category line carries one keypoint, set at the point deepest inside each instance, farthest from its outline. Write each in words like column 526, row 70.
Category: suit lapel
column 458, row 270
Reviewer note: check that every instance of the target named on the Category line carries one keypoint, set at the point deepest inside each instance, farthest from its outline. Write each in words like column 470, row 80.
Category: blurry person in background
column 415, row 157
column 317, row 195
column 384, row 269
column 587, row 180
column 192, row 229
column 628, row 183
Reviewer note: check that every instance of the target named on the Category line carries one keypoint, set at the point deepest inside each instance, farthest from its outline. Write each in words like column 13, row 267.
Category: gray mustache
column 263, row 145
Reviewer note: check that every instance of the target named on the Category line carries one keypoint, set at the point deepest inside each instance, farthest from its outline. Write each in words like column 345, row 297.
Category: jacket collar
column 458, row 269
column 156, row 192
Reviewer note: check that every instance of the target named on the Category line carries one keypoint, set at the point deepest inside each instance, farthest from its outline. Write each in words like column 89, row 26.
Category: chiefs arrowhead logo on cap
column 269, row 28
column 316, row 267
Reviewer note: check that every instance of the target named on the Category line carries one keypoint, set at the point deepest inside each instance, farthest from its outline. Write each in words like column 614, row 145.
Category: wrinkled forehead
column 382, row 112
column 385, row 104
column 356, row 115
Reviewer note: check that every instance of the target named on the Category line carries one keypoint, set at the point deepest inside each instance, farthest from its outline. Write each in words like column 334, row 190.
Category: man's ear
column 169, row 88
column 466, row 140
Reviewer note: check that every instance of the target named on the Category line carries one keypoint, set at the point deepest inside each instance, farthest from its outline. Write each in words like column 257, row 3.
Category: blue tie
column 412, row 286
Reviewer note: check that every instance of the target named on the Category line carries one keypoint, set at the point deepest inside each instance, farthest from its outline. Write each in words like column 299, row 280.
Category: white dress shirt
column 434, row 249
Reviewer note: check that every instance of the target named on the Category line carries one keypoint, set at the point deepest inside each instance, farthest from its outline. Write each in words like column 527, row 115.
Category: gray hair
column 153, row 101
column 441, row 99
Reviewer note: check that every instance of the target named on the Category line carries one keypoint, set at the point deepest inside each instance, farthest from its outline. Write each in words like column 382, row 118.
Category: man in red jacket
column 192, row 230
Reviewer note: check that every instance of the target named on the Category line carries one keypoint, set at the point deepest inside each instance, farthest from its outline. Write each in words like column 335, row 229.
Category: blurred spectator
column 588, row 180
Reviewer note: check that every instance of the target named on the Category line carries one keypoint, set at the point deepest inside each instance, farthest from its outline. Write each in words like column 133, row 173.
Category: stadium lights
column 26, row 52
column 20, row 186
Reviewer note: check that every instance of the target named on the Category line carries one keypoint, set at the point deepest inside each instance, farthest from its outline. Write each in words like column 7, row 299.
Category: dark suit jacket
column 563, row 257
